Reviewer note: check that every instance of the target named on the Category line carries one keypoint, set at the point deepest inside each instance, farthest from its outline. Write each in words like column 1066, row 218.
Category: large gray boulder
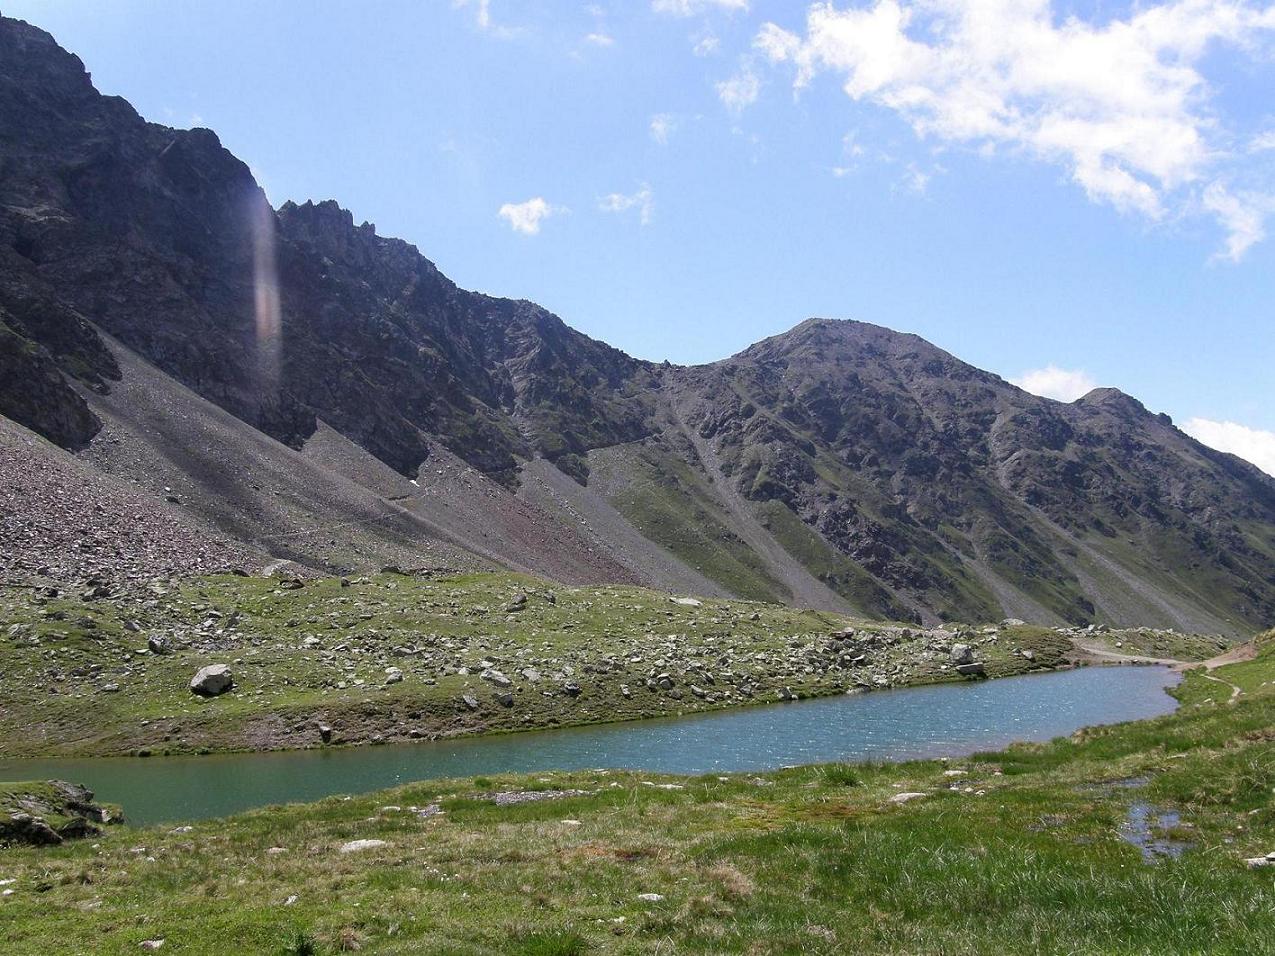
column 212, row 680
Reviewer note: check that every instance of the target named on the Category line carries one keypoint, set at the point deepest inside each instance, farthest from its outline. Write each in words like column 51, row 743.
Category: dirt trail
column 1235, row 691
column 1235, row 655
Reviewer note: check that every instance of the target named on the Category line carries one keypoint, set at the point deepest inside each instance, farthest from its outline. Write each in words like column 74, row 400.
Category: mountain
column 296, row 387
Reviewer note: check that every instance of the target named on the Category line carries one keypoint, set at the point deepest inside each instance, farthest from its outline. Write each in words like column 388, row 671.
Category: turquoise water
column 943, row 720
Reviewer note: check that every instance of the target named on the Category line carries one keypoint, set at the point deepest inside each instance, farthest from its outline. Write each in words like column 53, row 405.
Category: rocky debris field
column 229, row 662
column 62, row 522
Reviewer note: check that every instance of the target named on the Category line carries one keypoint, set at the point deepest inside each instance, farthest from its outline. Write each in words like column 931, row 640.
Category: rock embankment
column 46, row 813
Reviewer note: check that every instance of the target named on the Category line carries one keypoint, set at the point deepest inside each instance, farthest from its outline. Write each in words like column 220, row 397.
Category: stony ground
column 399, row 657
column 1149, row 837
column 62, row 520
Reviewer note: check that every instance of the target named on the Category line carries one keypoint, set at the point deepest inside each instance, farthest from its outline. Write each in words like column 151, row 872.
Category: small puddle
column 1151, row 831
column 1107, row 787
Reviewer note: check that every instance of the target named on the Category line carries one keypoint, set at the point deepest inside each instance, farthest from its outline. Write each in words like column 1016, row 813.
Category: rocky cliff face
column 166, row 241
column 840, row 464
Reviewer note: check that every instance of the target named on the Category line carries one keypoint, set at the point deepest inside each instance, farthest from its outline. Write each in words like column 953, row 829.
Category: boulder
column 971, row 670
column 158, row 645
column 962, row 654
column 356, row 846
column 212, row 680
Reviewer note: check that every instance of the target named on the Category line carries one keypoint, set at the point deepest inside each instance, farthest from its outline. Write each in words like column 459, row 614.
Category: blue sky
column 1079, row 186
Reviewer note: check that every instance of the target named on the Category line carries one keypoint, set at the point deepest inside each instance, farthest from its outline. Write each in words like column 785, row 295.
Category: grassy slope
column 1020, row 853
column 827, row 564
column 320, row 654
column 666, row 499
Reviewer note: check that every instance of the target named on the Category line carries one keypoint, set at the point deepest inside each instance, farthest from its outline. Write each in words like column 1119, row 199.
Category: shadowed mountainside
column 161, row 321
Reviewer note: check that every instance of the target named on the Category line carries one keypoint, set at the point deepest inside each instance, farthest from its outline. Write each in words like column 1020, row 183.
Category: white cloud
column 1251, row 444
column 662, row 124
column 1121, row 105
column 1060, row 384
column 643, row 200
column 689, row 8
column 1263, row 143
column 1244, row 216
column 525, row 217
column 741, row 90
column 706, row 45
column 599, row 39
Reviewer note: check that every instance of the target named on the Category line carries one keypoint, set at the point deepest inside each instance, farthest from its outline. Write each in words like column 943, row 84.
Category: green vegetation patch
column 1131, row 838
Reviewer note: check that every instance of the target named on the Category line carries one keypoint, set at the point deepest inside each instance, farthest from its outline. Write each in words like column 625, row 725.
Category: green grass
column 667, row 500
column 1021, row 851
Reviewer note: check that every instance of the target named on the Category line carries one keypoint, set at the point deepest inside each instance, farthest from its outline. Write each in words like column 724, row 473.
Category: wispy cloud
column 643, row 201
column 481, row 8
column 483, row 19
column 662, row 124
column 1243, row 214
column 526, row 217
column 689, row 8
column 1122, row 105
column 1060, row 384
column 599, row 38
column 706, row 45
column 741, row 90
column 1251, row 444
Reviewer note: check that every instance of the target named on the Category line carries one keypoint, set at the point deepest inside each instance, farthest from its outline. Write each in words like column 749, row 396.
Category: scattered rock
column 650, row 897
column 906, row 797
column 45, row 813
column 212, row 680
column 513, row 797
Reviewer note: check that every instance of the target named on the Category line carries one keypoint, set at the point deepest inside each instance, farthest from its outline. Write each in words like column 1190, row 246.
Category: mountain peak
column 1112, row 399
